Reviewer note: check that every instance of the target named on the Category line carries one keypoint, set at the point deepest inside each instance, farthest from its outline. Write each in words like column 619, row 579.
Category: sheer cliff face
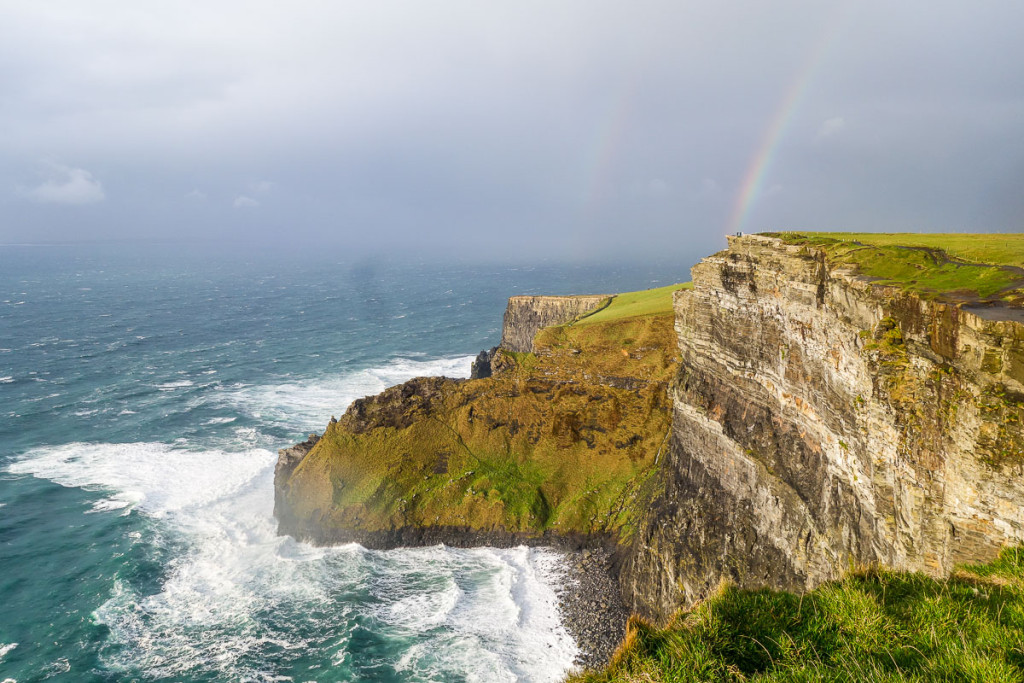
column 820, row 423
column 527, row 315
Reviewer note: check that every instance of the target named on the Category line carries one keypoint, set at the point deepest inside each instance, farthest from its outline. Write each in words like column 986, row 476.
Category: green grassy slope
column 630, row 304
column 1001, row 249
column 871, row 626
column 955, row 267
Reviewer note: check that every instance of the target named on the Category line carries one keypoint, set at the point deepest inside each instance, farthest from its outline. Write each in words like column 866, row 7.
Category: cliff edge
column 825, row 419
column 555, row 445
column 525, row 316
column 812, row 405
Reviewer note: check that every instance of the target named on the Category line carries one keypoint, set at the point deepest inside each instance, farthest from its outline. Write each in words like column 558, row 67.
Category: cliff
column 823, row 421
column 527, row 315
column 550, row 446
column 810, row 406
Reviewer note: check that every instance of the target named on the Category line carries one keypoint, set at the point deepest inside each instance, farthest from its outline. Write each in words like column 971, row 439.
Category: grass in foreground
column 951, row 266
column 871, row 626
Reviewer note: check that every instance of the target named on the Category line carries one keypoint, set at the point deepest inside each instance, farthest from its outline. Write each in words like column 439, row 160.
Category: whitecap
column 6, row 379
column 176, row 384
column 108, row 504
column 306, row 405
column 220, row 420
column 490, row 614
column 58, row 666
column 160, row 478
column 5, row 648
column 476, row 615
column 423, row 609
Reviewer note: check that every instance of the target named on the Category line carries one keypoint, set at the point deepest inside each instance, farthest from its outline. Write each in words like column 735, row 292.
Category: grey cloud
column 448, row 125
column 66, row 185
column 244, row 202
column 830, row 127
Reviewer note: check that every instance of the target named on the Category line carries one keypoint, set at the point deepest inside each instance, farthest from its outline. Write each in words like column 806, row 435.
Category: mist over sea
column 144, row 392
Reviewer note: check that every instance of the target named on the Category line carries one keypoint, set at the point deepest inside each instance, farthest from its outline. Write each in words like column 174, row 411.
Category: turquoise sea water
column 144, row 392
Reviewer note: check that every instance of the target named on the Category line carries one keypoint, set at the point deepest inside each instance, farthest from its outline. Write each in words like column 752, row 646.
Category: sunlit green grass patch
column 631, row 304
column 1000, row 249
column 873, row 625
column 953, row 266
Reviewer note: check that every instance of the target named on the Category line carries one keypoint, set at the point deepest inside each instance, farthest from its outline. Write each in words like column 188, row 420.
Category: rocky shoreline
column 591, row 606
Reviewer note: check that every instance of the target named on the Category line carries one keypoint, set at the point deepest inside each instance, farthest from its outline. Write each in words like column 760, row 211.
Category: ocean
column 144, row 392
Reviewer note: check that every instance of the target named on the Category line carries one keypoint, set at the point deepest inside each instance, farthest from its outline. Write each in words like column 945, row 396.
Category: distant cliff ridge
column 526, row 315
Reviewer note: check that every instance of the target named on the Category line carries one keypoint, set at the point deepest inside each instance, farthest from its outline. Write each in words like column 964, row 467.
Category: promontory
column 815, row 412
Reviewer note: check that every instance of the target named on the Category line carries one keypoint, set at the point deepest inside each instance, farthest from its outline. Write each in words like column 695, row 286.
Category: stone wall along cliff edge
column 526, row 315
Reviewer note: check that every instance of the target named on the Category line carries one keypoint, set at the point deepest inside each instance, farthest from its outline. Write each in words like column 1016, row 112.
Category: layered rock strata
column 821, row 422
column 527, row 315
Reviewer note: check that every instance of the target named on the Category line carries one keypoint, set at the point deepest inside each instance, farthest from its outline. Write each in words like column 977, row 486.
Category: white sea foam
column 5, row 648
column 308, row 404
column 153, row 476
column 495, row 619
column 107, row 504
column 177, row 384
column 6, row 379
column 220, row 420
column 238, row 590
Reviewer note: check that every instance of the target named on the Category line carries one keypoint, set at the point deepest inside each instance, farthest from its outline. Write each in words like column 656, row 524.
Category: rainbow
column 766, row 152
column 608, row 140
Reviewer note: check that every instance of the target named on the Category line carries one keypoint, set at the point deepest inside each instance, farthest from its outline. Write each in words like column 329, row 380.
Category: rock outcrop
column 287, row 460
column 821, row 422
column 482, row 367
column 527, row 315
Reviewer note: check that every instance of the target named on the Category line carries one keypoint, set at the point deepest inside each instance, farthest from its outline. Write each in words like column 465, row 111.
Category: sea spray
column 241, row 602
column 138, row 438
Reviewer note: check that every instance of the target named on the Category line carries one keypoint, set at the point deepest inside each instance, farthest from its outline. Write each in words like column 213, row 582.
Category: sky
column 497, row 129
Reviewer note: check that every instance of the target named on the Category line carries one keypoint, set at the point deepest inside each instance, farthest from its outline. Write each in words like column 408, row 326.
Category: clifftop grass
column 955, row 267
column 561, row 440
column 631, row 304
column 998, row 249
column 871, row 626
